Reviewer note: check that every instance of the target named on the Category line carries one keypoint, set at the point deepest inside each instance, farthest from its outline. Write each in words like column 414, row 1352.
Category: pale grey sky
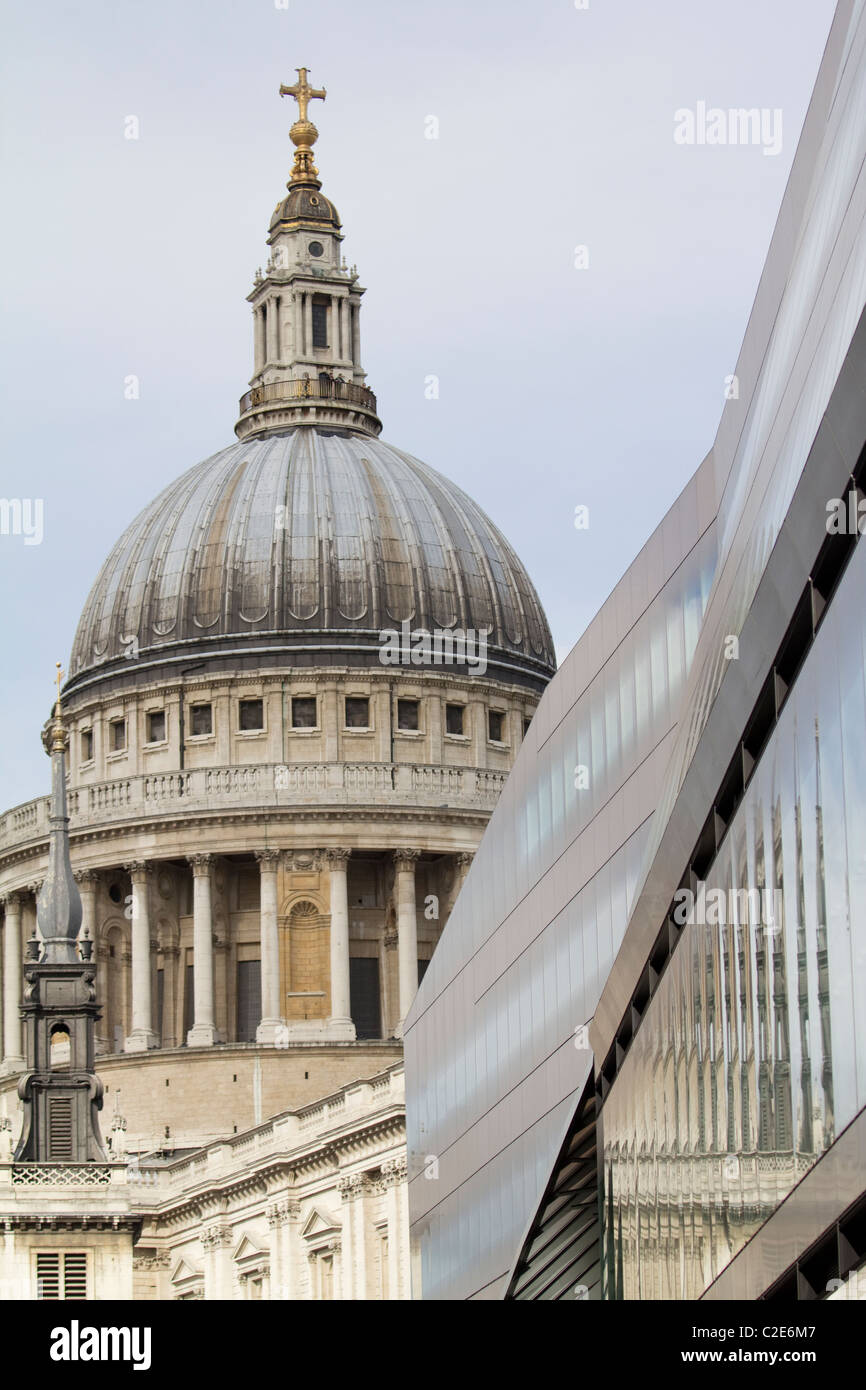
column 558, row 386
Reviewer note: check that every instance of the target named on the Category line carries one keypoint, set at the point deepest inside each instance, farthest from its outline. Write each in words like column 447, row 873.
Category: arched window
column 60, row 1047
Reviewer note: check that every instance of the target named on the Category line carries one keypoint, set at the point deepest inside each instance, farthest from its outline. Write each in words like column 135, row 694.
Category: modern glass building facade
column 643, row 1028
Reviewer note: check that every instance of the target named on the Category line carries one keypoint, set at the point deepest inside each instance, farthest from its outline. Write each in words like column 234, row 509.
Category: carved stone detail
column 215, row 1237
column 281, row 1212
column 86, row 877
column 140, row 871
column 392, row 1172
column 406, row 858
column 268, row 859
column 161, row 1260
column 353, row 1185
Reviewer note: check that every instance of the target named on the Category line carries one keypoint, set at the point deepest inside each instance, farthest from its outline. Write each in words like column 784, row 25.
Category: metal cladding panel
column 496, row 1043
column 494, row 1037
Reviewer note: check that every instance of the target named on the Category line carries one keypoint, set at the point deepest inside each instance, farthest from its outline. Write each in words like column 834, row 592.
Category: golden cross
column 303, row 93
column 60, row 675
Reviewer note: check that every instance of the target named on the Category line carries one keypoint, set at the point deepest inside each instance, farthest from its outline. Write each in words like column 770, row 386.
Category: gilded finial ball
column 303, row 133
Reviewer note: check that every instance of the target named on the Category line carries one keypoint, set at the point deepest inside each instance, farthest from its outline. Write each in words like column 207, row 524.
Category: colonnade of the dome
column 222, row 949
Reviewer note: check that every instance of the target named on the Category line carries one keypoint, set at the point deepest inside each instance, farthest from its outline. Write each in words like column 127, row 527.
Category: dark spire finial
column 58, row 906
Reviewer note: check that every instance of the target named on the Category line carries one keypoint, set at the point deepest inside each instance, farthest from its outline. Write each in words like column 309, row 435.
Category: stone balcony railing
column 306, row 389
column 63, row 1175
column 260, row 785
column 371, row 1099
column 322, row 399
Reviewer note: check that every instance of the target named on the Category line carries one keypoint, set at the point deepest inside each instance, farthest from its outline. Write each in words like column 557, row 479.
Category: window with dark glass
column 86, row 745
column 495, row 725
column 364, row 996
column 526, row 724
column 117, row 735
column 454, row 719
column 251, row 715
column 304, row 712
column 188, row 1000
column 357, row 712
column 201, row 719
column 249, row 999
column 320, row 323
column 407, row 714
column 156, row 726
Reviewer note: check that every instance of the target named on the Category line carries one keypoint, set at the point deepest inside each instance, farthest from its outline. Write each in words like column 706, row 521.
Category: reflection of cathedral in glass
column 627, row 1102
column 726, row 1097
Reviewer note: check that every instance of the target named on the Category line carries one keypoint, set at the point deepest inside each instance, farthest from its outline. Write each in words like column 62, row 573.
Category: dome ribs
column 319, row 538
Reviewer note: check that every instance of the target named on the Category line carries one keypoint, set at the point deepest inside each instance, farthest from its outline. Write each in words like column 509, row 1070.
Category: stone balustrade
column 275, row 1139
column 264, row 785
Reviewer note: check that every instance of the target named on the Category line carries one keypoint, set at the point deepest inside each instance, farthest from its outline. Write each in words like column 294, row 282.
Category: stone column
column 216, row 1242
column 270, row 311
column 272, row 1015
column 282, row 1218
column 407, row 928
column 87, row 880
column 462, row 865
column 221, row 953
column 259, row 338
column 13, row 1044
column 203, row 1031
column 170, row 956
column 340, row 1020
column 345, row 349
column 142, row 1035
column 392, row 1183
column 125, row 992
column 104, row 1040
column 353, row 1189
column 356, row 336
column 335, row 1249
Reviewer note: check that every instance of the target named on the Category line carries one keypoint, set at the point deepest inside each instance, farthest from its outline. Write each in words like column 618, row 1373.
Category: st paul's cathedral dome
column 270, row 815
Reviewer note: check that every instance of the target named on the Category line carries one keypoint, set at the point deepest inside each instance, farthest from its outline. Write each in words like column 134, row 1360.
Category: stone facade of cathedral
column 296, row 690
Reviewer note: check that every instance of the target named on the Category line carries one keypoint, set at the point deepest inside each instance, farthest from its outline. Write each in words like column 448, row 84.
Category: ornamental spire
column 58, row 906
column 303, row 133
column 61, row 1092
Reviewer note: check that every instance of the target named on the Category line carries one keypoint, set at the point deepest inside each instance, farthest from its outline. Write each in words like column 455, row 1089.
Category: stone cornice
column 208, row 1196
column 106, row 1220
column 364, row 817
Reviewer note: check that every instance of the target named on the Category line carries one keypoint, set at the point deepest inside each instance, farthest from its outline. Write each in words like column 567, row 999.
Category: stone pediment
column 184, row 1272
column 246, row 1250
column 320, row 1223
